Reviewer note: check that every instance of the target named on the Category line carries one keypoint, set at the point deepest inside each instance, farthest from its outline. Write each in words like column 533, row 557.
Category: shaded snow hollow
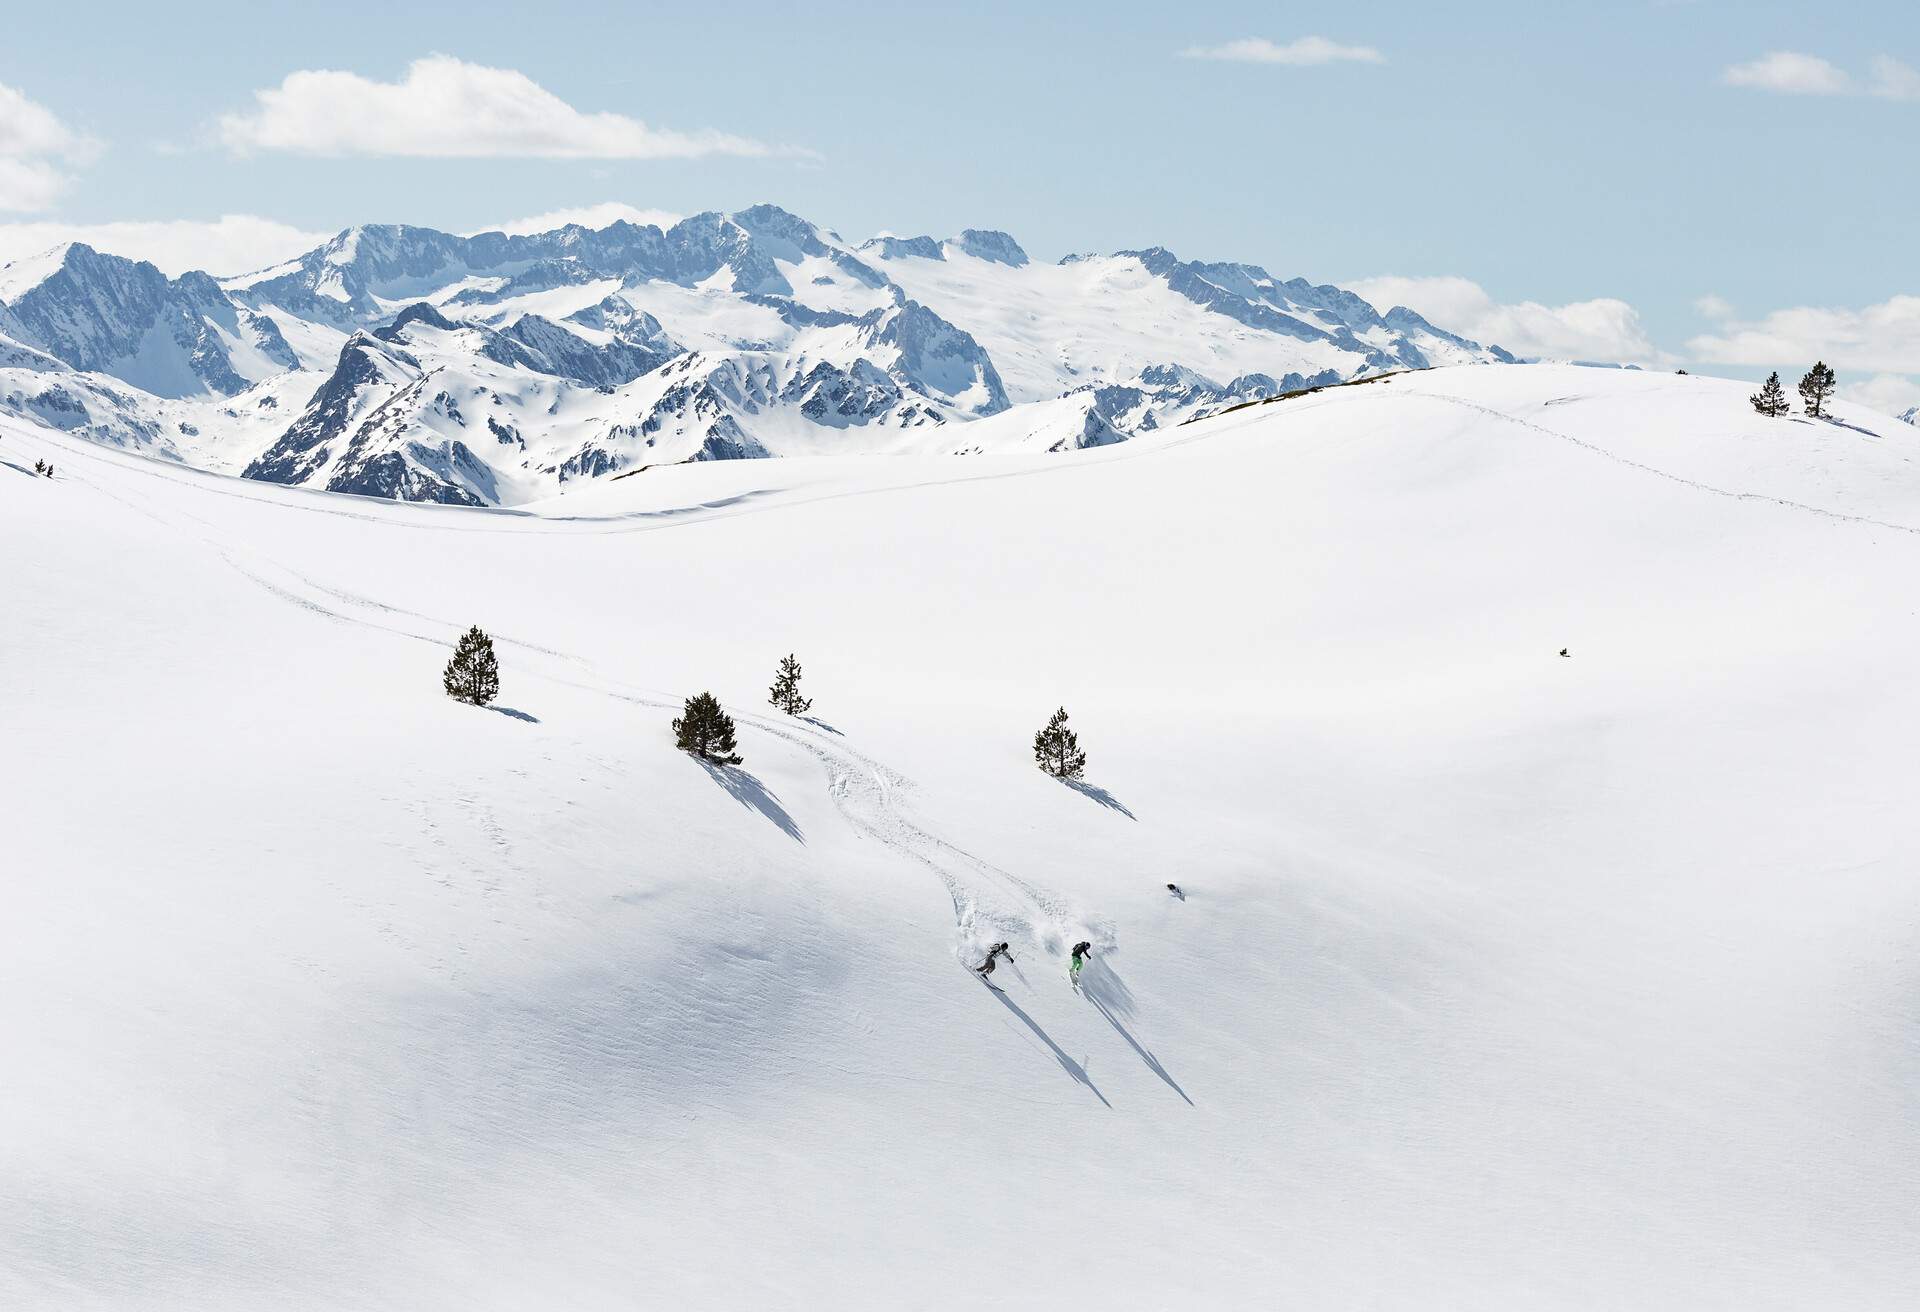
column 1502, row 979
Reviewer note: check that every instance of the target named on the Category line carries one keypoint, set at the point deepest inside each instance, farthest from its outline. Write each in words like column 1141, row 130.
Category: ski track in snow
column 1657, row 472
column 989, row 903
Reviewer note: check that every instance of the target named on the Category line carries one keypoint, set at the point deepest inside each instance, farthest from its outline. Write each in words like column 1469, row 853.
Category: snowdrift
column 1501, row 978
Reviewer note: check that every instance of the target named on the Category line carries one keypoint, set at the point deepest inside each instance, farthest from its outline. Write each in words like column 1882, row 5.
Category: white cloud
column 1716, row 308
column 35, row 148
column 1602, row 330
column 1792, row 73
column 1299, row 53
column 1876, row 339
column 447, row 107
column 232, row 243
column 587, row 216
column 1890, row 394
column 1893, row 80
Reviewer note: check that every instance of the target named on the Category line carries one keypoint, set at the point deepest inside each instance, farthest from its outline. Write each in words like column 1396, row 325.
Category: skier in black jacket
column 985, row 968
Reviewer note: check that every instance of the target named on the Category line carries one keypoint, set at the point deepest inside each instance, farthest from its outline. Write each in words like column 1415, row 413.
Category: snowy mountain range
column 419, row 365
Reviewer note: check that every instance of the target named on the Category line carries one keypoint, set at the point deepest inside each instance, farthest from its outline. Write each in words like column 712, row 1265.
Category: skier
column 1175, row 890
column 985, row 968
column 1080, row 951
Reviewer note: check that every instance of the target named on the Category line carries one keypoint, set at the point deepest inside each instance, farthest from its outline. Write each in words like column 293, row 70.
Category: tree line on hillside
column 1815, row 387
column 706, row 731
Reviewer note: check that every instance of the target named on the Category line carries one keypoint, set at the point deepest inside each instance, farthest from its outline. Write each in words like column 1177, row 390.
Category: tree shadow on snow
column 1110, row 994
column 751, row 793
column 513, row 714
column 21, row 469
column 1068, row 1064
column 819, row 723
column 1099, row 795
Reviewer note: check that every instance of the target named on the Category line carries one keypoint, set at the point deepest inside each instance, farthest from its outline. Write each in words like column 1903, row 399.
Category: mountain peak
column 890, row 247
column 29, row 271
column 1158, row 259
column 991, row 244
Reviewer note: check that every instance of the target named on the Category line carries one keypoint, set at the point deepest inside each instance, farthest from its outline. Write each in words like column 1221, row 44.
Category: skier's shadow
column 1110, row 994
column 1067, row 1063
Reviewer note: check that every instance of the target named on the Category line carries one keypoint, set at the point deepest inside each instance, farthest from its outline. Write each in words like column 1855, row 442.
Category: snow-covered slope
column 725, row 336
column 1501, row 979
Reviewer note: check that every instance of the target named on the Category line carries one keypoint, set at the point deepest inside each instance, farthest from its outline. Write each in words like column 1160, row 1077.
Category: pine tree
column 706, row 731
column 1816, row 387
column 473, row 675
column 1771, row 400
column 786, row 688
column 1056, row 749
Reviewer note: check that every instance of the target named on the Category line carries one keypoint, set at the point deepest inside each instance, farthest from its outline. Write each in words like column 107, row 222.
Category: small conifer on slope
column 473, row 675
column 1056, row 749
column 706, row 731
column 786, row 688
column 1771, row 400
column 1816, row 387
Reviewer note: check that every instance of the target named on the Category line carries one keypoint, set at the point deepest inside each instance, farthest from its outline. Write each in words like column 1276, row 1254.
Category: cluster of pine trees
column 1815, row 388
column 706, row 731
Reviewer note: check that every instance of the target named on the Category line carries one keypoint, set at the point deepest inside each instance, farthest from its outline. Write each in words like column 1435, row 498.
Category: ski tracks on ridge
column 990, row 903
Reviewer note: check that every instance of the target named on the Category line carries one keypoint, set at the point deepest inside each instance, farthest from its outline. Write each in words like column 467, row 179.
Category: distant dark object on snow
column 1176, row 891
column 706, row 731
column 1771, row 399
column 473, row 675
column 1056, row 749
column 1816, row 387
column 786, row 688
column 997, row 950
column 1565, row 652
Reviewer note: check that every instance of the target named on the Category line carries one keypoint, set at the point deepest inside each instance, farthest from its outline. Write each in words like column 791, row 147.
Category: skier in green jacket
column 1080, row 951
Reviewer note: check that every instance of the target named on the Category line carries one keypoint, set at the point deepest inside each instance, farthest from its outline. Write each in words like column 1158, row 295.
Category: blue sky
column 1729, row 186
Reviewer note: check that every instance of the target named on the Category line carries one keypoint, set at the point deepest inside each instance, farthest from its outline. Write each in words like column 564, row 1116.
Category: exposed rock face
column 170, row 337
